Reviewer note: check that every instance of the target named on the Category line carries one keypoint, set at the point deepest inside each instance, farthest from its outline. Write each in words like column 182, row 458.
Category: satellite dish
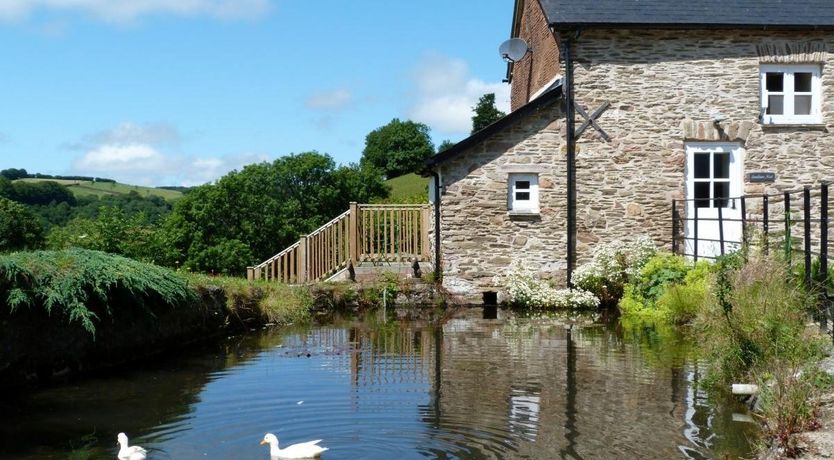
column 513, row 50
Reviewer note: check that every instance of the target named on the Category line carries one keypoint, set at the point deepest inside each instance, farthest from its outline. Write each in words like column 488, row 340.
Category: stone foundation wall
column 479, row 237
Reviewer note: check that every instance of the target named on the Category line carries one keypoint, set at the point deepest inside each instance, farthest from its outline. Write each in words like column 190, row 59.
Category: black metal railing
column 795, row 221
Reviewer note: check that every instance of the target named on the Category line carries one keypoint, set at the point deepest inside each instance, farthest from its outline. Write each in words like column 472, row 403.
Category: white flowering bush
column 524, row 290
column 612, row 266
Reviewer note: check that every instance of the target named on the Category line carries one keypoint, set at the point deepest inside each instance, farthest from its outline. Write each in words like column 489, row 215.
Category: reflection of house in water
column 501, row 389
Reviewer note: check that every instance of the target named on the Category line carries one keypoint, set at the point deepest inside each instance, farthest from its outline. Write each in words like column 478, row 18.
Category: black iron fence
column 794, row 222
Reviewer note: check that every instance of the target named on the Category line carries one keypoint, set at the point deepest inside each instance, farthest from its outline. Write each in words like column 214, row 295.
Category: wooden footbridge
column 364, row 234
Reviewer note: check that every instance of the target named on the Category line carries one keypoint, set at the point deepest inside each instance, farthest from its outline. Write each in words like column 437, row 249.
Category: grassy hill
column 409, row 188
column 82, row 188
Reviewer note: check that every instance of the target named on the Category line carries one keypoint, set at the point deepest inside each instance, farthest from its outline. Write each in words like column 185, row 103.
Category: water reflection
column 469, row 388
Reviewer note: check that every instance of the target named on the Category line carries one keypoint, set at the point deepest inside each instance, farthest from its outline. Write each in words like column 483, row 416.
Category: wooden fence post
column 353, row 234
column 302, row 260
column 425, row 217
column 250, row 273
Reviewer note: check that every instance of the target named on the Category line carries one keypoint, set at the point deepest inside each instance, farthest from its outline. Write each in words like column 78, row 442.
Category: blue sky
column 163, row 92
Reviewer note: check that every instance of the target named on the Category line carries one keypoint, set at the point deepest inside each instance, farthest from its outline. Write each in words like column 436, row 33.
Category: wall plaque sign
column 762, row 177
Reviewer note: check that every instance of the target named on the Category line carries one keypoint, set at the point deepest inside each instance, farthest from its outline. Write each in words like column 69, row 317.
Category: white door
column 714, row 179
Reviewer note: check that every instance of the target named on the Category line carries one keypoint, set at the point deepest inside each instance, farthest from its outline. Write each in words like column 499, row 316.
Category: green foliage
column 759, row 321
column 264, row 207
column 485, row 112
column 228, row 257
column 36, row 193
column 611, row 267
column 19, row 230
column 789, row 404
column 409, row 188
column 81, row 285
column 445, row 145
column 398, row 148
column 113, row 231
column 668, row 288
column 277, row 303
column 12, row 173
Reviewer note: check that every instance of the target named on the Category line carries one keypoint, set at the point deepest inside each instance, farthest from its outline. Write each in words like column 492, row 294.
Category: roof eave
column 564, row 26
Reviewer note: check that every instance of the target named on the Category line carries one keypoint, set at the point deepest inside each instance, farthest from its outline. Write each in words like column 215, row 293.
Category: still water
column 464, row 388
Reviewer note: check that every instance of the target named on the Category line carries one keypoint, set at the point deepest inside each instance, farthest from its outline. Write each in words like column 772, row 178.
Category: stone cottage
column 686, row 99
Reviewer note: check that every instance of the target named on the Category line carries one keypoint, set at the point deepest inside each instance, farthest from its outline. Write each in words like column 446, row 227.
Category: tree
column 263, row 208
column 445, row 145
column 486, row 113
column 19, row 229
column 398, row 148
column 12, row 173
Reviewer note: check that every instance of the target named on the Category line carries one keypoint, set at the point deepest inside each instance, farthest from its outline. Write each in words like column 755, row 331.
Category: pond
column 467, row 387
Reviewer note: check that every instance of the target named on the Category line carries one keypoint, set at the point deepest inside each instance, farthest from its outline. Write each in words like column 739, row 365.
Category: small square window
column 523, row 196
column 791, row 94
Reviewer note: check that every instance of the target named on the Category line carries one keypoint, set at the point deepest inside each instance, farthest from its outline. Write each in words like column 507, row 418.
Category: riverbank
column 77, row 311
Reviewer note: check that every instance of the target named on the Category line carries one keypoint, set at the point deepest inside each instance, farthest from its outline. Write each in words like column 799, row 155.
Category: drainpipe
column 570, row 114
column 438, row 266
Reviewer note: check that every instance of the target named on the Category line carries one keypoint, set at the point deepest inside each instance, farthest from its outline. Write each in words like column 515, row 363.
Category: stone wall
column 664, row 87
column 479, row 237
column 540, row 66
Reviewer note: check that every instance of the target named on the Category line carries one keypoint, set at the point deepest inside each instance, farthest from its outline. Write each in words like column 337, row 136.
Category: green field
column 410, row 187
column 84, row 188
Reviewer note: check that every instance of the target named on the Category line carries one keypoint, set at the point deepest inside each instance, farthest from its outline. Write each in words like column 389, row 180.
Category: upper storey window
column 791, row 94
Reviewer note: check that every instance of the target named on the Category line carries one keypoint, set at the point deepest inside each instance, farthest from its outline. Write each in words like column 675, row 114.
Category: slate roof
column 550, row 94
column 691, row 14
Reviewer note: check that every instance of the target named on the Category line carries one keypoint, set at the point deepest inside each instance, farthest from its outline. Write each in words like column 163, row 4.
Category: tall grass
column 277, row 303
column 79, row 284
column 754, row 330
column 756, row 318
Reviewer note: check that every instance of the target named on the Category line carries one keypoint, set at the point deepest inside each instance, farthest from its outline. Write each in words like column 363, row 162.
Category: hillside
column 84, row 188
column 408, row 188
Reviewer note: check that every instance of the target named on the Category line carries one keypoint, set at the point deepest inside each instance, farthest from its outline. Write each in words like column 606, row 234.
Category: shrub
column 19, row 229
column 612, row 265
column 524, row 290
column 78, row 283
column 668, row 288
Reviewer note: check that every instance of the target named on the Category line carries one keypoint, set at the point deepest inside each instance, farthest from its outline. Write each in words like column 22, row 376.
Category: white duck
column 307, row 449
column 130, row 452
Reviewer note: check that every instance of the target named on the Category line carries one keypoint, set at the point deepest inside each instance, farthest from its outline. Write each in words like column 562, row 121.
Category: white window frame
column 516, row 206
column 788, row 70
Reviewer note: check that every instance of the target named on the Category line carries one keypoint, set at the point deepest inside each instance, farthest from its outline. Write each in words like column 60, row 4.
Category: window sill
column 792, row 126
column 524, row 215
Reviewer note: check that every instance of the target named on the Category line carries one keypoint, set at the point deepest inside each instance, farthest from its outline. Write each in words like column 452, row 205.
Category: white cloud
column 334, row 100
column 124, row 11
column 446, row 93
column 138, row 154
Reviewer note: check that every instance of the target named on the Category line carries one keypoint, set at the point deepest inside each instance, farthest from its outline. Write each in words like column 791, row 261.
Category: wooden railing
column 364, row 233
